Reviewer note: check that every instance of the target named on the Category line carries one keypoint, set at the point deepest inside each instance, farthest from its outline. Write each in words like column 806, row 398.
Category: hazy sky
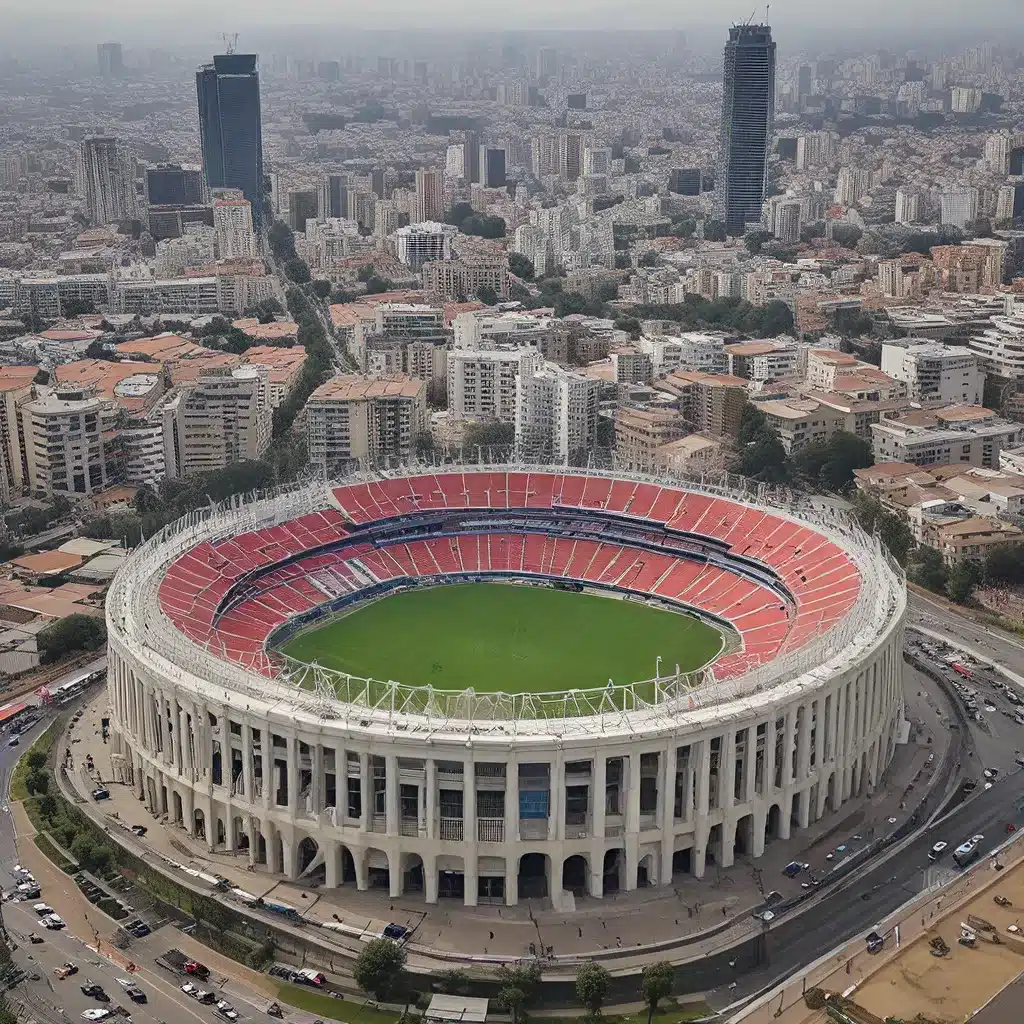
column 980, row 19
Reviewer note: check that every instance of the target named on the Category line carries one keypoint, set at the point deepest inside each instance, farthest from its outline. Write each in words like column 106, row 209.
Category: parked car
column 65, row 970
column 100, row 793
column 131, row 990
column 205, row 996
column 194, row 967
column 226, row 1010
column 96, row 1013
column 90, row 988
column 189, row 989
column 43, row 909
column 54, row 922
column 139, row 830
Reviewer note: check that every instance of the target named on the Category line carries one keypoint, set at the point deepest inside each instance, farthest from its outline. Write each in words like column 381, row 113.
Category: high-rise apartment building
column 471, row 168
column 492, row 167
column 232, row 220
column 108, row 181
column 430, row 193
column 303, row 205
column 685, row 181
column 174, row 185
column 110, row 60
column 908, row 206
column 556, row 414
column 334, row 196
column 230, row 128
column 421, row 243
column 958, row 206
column 748, row 110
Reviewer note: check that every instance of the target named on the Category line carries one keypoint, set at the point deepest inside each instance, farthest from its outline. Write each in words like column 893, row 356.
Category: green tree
column 36, row 760
column 298, row 270
column 1005, row 564
column 489, row 435
column 521, row 266
column 37, row 782
column 928, row 570
column 846, row 235
column 765, row 459
column 321, row 289
column 70, row 635
column 592, row 982
column 518, row 985
column 891, row 529
column 754, row 241
column 379, row 969
column 76, row 307
column 423, row 444
column 852, row 323
column 282, row 241
column 752, row 422
column 453, row 982
column 649, row 259
column 655, row 985
column 487, row 295
column 831, row 463
column 961, row 581
column 714, row 230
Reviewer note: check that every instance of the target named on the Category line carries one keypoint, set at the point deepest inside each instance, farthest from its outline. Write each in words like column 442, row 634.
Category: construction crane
column 230, row 41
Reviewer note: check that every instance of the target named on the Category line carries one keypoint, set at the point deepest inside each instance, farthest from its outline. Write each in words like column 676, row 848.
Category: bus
column 967, row 851
column 74, row 687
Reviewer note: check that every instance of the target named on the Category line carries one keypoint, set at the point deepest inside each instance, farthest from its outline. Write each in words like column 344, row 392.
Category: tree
column 928, row 570
column 487, row 295
column 831, row 463
column 489, row 435
column 521, row 266
column 961, row 581
column 623, row 261
column 649, row 259
column 714, row 231
column 321, row 289
column 754, row 241
column 765, row 459
column 893, row 532
column 655, row 985
column 70, row 635
column 846, row 235
column 518, row 987
column 453, row 982
column 852, row 322
column 375, row 285
column 99, row 350
column 592, row 982
column 298, row 270
column 423, row 444
column 282, row 241
column 36, row 760
column 1005, row 564
column 379, row 969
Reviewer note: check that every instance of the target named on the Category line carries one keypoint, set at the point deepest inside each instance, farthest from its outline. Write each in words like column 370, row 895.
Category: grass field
column 515, row 639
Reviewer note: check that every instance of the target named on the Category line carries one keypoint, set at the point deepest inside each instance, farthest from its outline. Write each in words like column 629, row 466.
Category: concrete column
column 394, row 874
column 633, row 795
column 789, row 740
column 362, row 870
column 704, row 778
column 247, row 783
column 598, row 794
column 430, row 879
column 266, row 766
column 597, row 875
column 294, row 775
column 316, row 786
column 511, row 880
column 511, row 803
column 727, row 771
column 432, row 807
column 391, row 813
column 177, row 737
column 254, row 839
column 366, row 795
column 750, row 766
column 340, row 785
column 331, row 856
column 760, row 824
column 557, row 820
column 689, row 781
column 289, row 857
column 668, row 799
column 470, row 859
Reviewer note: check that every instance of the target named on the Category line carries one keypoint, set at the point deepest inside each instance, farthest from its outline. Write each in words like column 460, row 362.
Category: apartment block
column 936, row 374
column 483, row 384
column 556, row 414
column 959, row 434
column 640, row 433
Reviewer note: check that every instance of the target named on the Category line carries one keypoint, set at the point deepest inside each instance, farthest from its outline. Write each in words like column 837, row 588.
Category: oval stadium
column 491, row 683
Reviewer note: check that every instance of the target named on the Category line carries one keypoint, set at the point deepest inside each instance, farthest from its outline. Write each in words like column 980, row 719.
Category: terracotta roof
column 47, row 563
column 349, row 388
column 12, row 378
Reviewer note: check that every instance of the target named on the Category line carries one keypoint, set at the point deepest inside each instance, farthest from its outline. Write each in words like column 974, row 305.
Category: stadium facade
column 493, row 797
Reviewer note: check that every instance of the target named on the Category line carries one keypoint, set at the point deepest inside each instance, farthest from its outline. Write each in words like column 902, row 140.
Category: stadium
column 491, row 683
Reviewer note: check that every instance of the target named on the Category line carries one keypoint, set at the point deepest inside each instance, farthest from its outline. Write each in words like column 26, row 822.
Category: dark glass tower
column 229, row 126
column 748, row 108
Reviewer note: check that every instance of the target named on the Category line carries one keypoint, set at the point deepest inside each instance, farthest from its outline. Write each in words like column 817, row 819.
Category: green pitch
column 515, row 639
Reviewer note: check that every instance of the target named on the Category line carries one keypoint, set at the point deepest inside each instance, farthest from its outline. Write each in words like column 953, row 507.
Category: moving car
column 189, row 989
column 65, row 970
column 937, row 850
column 139, row 830
column 226, row 1010
column 90, row 988
column 306, row 976
column 100, row 793
column 96, row 1013
column 131, row 990
column 54, row 922
column 205, row 996
column 43, row 909
column 194, row 967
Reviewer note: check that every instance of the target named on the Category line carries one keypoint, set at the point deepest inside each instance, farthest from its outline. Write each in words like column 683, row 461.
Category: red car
column 198, row 970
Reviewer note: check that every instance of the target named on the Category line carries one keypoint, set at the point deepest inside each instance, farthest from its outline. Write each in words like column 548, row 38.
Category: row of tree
column 727, row 314
column 380, row 971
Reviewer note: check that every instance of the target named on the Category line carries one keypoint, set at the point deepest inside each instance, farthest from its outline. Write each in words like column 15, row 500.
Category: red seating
column 267, row 589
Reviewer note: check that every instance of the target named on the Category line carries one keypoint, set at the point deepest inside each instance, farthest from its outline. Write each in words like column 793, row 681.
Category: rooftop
column 350, row 388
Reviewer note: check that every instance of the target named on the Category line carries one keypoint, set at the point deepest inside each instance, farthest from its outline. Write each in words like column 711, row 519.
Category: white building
column 1001, row 346
column 959, row 206
column 908, row 206
column 483, row 384
column 232, row 220
column 556, row 414
column 936, row 374
column 417, row 244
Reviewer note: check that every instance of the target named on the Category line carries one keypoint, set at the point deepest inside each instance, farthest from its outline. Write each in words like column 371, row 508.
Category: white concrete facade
column 491, row 812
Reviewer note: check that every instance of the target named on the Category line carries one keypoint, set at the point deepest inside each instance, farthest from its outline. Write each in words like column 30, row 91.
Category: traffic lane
column 1004, row 647
column 861, row 904
column 164, row 1000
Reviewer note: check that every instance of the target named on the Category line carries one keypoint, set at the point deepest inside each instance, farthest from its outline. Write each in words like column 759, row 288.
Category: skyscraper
column 334, row 195
column 471, row 158
column 492, row 167
column 429, row 195
column 748, row 108
column 108, row 181
column 109, row 60
column 229, row 126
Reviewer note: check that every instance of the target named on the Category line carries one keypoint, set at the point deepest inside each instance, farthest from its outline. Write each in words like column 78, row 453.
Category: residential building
column 64, row 443
column 303, row 206
column 483, row 384
column 640, row 433
column 971, row 539
column 333, row 201
column 556, row 414
column 429, row 196
column 174, row 185
column 935, row 374
column 108, row 180
column 908, row 206
column 232, row 220
column 354, row 420
column 802, row 421
column 748, row 109
column 492, row 167
column 958, row 206
column 110, row 60
column 958, row 434
column 15, row 389
column 460, row 278
column 230, row 128
column 1000, row 344
column 710, row 403
column 424, row 242
column 766, row 360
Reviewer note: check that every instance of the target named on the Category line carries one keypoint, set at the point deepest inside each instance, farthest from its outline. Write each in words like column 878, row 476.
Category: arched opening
column 261, row 848
column 576, row 875
column 378, row 871
column 533, row 876
column 179, row 814
column 241, row 835
column 714, row 850
column 412, row 876
column 612, row 869
column 348, row 866
column 772, row 823
column 306, row 853
column 199, row 823
column 682, row 862
column 832, row 797
column 794, row 810
column 743, row 844
column 644, row 871
column 221, row 832
column 163, row 804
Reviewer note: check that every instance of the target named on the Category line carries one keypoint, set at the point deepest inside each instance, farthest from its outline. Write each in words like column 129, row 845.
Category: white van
column 43, row 909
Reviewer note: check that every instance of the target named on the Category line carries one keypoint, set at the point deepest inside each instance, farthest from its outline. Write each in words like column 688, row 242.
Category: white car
column 43, row 909
column 937, row 850
column 226, row 1010
column 189, row 989
column 96, row 1013
column 54, row 922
